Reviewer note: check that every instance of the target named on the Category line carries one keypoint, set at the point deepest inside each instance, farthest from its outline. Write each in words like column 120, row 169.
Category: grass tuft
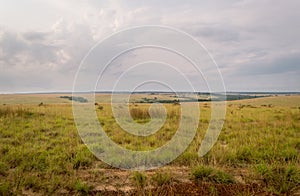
column 280, row 179
column 161, row 179
column 139, row 179
column 82, row 188
column 209, row 174
column 3, row 169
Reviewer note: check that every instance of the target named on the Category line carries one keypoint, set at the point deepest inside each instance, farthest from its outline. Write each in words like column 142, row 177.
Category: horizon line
column 147, row 91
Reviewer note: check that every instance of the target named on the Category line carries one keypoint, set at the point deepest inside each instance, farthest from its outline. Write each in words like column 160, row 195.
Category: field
column 257, row 152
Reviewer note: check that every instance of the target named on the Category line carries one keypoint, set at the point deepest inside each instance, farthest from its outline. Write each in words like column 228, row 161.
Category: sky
column 255, row 43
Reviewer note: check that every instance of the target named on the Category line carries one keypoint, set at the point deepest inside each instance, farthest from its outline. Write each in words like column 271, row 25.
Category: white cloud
column 245, row 37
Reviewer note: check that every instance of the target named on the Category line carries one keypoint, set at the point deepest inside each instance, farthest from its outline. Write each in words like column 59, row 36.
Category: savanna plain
column 257, row 151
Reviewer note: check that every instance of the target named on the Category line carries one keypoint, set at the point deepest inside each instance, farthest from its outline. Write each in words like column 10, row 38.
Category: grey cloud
column 288, row 63
column 64, row 49
column 16, row 50
column 11, row 44
column 249, row 39
column 277, row 65
column 35, row 36
column 11, row 81
column 31, row 60
column 217, row 32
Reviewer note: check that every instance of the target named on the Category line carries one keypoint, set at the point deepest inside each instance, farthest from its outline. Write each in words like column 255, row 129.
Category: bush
column 78, row 99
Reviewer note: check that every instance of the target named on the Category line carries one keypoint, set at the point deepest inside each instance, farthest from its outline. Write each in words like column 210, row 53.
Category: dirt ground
column 119, row 182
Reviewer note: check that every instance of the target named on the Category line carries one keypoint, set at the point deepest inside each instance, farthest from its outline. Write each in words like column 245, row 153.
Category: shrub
column 78, row 99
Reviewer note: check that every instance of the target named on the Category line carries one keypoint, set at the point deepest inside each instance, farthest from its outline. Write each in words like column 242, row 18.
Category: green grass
column 161, row 179
column 280, row 179
column 209, row 174
column 140, row 179
column 3, row 169
column 82, row 188
column 41, row 151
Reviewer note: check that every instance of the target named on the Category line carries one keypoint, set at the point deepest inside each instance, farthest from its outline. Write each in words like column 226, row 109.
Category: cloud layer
column 255, row 43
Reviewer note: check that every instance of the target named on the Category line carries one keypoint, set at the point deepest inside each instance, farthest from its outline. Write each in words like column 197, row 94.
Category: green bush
column 78, row 99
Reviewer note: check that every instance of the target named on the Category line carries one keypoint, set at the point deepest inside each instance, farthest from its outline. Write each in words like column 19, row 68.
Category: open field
column 257, row 152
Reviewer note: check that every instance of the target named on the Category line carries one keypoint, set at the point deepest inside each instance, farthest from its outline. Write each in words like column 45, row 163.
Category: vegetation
column 230, row 97
column 42, row 153
column 208, row 174
column 161, row 179
column 82, row 188
column 139, row 179
column 279, row 179
column 78, row 99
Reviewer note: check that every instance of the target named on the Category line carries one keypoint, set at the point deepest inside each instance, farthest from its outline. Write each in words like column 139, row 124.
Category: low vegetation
column 209, row 174
column 161, row 179
column 140, row 179
column 42, row 153
column 72, row 98
column 280, row 179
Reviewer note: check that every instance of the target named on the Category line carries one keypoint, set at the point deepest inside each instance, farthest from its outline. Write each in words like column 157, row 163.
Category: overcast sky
column 255, row 43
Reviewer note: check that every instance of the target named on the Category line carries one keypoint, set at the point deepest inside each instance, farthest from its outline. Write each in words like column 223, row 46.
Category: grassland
column 257, row 152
